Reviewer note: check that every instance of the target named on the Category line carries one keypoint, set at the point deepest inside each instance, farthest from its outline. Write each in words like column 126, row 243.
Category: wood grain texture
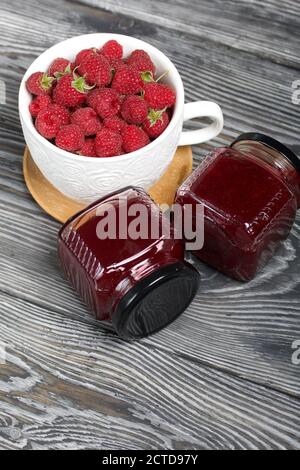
column 268, row 28
column 69, row 385
column 221, row 376
column 244, row 329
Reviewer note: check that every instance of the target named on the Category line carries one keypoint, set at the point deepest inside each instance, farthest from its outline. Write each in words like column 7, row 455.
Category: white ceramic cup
column 85, row 179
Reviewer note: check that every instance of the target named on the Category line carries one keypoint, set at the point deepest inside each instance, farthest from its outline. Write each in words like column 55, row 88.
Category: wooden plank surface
column 69, row 385
column 268, row 28
column 221, row 376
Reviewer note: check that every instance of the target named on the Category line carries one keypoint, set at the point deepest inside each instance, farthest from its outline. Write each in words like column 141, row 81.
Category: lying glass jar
column 250, row 192
column 128, row 268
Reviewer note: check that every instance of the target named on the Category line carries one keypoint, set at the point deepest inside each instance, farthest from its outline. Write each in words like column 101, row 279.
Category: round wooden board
column 61, row 208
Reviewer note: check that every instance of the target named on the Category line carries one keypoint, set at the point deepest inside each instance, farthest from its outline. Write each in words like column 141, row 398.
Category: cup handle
column 202, row 109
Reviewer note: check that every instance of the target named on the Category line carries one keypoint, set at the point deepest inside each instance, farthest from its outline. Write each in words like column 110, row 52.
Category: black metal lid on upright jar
column 156, row 301
column 271, row 143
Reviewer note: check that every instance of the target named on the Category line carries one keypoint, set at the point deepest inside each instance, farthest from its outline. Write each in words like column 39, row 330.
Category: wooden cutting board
column 61, row 207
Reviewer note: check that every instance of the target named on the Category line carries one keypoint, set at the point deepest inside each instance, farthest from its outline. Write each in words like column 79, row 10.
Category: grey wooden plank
column 258, row 320
column 254, row 93
column 243, row 329
column 68, row 385
column 269, row 28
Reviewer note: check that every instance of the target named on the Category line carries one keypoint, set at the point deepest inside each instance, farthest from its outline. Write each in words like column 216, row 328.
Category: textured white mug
column 85, row 179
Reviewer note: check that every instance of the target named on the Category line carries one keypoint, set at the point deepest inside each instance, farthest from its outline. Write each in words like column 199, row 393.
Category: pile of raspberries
column 101, row 105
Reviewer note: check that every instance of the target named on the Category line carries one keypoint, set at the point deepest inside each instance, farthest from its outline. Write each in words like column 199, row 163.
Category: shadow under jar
column 136, row 280
column 251, row 193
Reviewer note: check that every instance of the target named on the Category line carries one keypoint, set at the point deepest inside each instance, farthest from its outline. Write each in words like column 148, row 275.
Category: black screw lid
column 156, row 301
column 272, row 143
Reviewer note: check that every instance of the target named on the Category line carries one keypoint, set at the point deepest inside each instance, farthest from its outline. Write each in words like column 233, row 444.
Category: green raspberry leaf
column 155, row 116
column 46, row 82
column 67, row 71
column 147, row 76
column 79, row 84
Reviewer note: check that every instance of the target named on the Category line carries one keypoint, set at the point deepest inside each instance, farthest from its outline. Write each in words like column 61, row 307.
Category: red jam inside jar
column 250, row 192
column 137, row 284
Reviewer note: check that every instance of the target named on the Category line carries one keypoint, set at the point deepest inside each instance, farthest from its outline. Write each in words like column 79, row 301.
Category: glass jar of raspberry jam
column 137, row 282
column 250, row 192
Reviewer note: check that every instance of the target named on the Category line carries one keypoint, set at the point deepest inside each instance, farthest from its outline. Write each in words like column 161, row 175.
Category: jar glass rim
column 271, row 143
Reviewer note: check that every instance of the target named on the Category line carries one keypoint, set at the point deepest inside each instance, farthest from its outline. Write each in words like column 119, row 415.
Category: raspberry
column 92, row 98
column 87, row 120
column 39, row 83
column 140, row 60
column 127, row 81
column 38, row 104
column 134, row 109
column 61, row 112
column 106, row 102
column 156, row 123
column 70, row 138
column 84, row 55
column 47, row 124
column 116, row 64
column 115, row 124
column 88, row 149
column 134, row 138
column 50, row 120
column 70, row 91
column 159, row 96
column 112, row 50
column 108, row 143
column 60, row 67
column 96, row 70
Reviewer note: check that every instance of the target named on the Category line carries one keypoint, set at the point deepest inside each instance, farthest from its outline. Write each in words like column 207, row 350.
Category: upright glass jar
column 138, row 282
column 250, row 192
